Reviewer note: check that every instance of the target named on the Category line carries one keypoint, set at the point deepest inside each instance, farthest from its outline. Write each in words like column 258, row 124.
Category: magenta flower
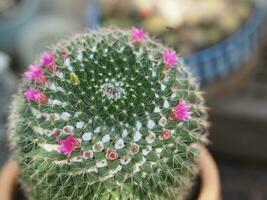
column 49, row 61
column 33, row 94
column 68, row 145
column 138, row 35
column 181, row 112
column 170, row 58
column 36, row 73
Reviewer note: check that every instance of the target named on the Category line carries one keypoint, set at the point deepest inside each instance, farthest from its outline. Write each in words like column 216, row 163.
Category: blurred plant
column 192, row 25
column 8, row 82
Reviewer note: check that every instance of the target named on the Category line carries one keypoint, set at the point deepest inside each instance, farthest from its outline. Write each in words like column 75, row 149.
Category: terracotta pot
column 210, row 182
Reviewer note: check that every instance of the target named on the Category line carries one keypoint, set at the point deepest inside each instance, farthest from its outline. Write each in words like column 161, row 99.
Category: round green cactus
column 107, row 114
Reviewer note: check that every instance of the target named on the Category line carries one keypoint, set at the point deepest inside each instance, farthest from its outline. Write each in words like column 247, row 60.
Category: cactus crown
column 108, row 114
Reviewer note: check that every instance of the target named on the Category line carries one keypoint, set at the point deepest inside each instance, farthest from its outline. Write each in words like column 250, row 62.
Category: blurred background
column 222, row 41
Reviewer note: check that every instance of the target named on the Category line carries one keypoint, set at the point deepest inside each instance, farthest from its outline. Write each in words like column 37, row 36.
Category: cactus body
column 112, row 115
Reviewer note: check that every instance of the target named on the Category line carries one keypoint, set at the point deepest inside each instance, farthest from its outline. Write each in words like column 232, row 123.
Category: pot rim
column 209, row 174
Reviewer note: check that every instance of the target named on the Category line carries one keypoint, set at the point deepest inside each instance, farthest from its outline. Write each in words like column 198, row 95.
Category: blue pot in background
column 219, row 60
column 227, row 56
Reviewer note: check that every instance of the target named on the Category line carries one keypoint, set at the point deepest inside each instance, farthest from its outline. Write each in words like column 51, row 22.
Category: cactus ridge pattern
column 102, row 125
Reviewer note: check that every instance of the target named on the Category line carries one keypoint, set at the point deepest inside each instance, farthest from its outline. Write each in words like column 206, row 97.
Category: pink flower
column 112, row 155
column 33, row 94
column 49, row 61
column 181, row 112
column 138, row 35
column 166, row 134
column 36, row 73
column 170, row 58
column 68, row 145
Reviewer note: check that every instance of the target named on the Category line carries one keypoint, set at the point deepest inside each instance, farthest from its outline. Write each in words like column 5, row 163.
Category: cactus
column 107, row 114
